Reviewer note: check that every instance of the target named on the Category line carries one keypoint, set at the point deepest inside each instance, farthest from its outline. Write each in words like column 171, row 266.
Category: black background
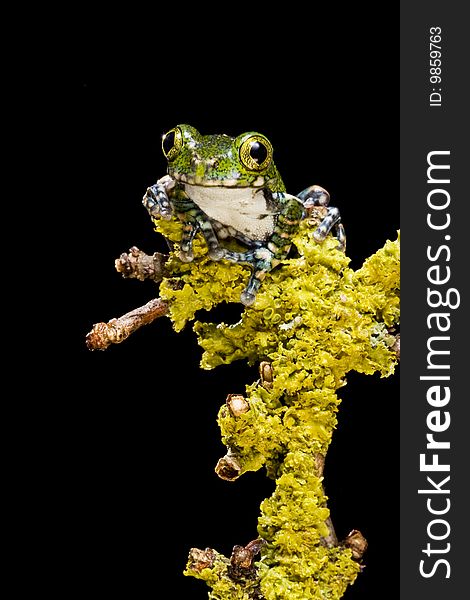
column 134, row 453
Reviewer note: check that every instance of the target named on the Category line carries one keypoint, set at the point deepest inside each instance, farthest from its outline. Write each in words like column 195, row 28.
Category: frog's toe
column 186, row 257
column 151, row 205
column 320, row 233
column 165, row 215
column 157, row 203
column 216, row 253
column 247, row 298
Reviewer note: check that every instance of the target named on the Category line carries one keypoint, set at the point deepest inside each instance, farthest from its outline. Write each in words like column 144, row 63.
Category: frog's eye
column 256, row 152
column 172, row 142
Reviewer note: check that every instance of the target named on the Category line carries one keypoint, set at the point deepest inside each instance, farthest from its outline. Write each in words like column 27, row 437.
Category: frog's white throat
column 245, row 209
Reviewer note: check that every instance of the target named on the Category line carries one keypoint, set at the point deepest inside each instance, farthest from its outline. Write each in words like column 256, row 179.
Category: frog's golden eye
column 172, row 142
column 256, row 153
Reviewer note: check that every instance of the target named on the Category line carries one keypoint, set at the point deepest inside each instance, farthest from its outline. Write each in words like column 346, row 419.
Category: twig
column 228, row 467
column 357, row 543
column 117, row 330
column 237, row 574
column 135, row 264
column 331, row 539
column 242, row 560
column 201, row 559
column 396, row 346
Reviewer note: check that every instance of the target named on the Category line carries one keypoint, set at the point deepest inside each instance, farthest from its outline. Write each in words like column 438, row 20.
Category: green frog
column 225, row 187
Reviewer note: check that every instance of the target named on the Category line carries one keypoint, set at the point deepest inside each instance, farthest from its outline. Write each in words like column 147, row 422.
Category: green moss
column 314, row 320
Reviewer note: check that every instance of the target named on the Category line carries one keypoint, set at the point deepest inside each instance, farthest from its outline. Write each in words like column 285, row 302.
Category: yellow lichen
column 314, row 320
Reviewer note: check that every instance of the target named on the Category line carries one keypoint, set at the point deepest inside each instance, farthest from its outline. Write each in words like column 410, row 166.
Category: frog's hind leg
column 269, row 253
column 215, row 251
column 195, row 220
column 192, row 223
column 261, row 260
column 186, row 244
column 315, row 195
column 257, row 257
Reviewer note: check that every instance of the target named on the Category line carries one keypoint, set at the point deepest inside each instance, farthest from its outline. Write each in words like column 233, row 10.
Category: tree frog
column 225, row 187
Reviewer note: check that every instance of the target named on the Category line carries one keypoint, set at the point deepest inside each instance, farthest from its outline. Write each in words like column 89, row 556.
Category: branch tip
column 266, row 374
column 228, row 467
column 200, row 559
column 237, row 404
column 357, row 543
column 135, row 264
column 241, row 561
column 116, row 331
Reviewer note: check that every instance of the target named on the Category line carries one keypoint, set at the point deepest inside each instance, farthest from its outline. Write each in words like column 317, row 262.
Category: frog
column 228, row 188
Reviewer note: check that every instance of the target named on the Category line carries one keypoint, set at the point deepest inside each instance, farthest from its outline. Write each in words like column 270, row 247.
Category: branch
column 396, row 346
column 331, row 539
column 132, row 265
column 242, row 560
column 138, row 265
column 236, row 577
column 116, row 331
column 357, row 543
column 230, row 466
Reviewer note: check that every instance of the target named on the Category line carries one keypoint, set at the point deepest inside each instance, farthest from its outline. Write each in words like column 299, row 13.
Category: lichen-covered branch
column 236, row 578
column 396, row 346
column 314, row 320
column 116, row 331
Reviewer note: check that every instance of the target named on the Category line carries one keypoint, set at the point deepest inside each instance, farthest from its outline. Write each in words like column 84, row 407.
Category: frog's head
column 220, row 160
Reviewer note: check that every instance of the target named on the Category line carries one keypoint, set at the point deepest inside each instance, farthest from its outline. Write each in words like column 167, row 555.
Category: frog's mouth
column 204, row 181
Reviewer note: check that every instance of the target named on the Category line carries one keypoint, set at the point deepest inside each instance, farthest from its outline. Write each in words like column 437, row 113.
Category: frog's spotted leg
column 165, row 198
column 156, row 199
column 276, row 248
column 317, row 196
column 194, row 220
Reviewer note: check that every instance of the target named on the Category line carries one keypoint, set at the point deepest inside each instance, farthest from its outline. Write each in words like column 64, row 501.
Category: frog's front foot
column 156, row 199
column 332, row 220
column 314, row 196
